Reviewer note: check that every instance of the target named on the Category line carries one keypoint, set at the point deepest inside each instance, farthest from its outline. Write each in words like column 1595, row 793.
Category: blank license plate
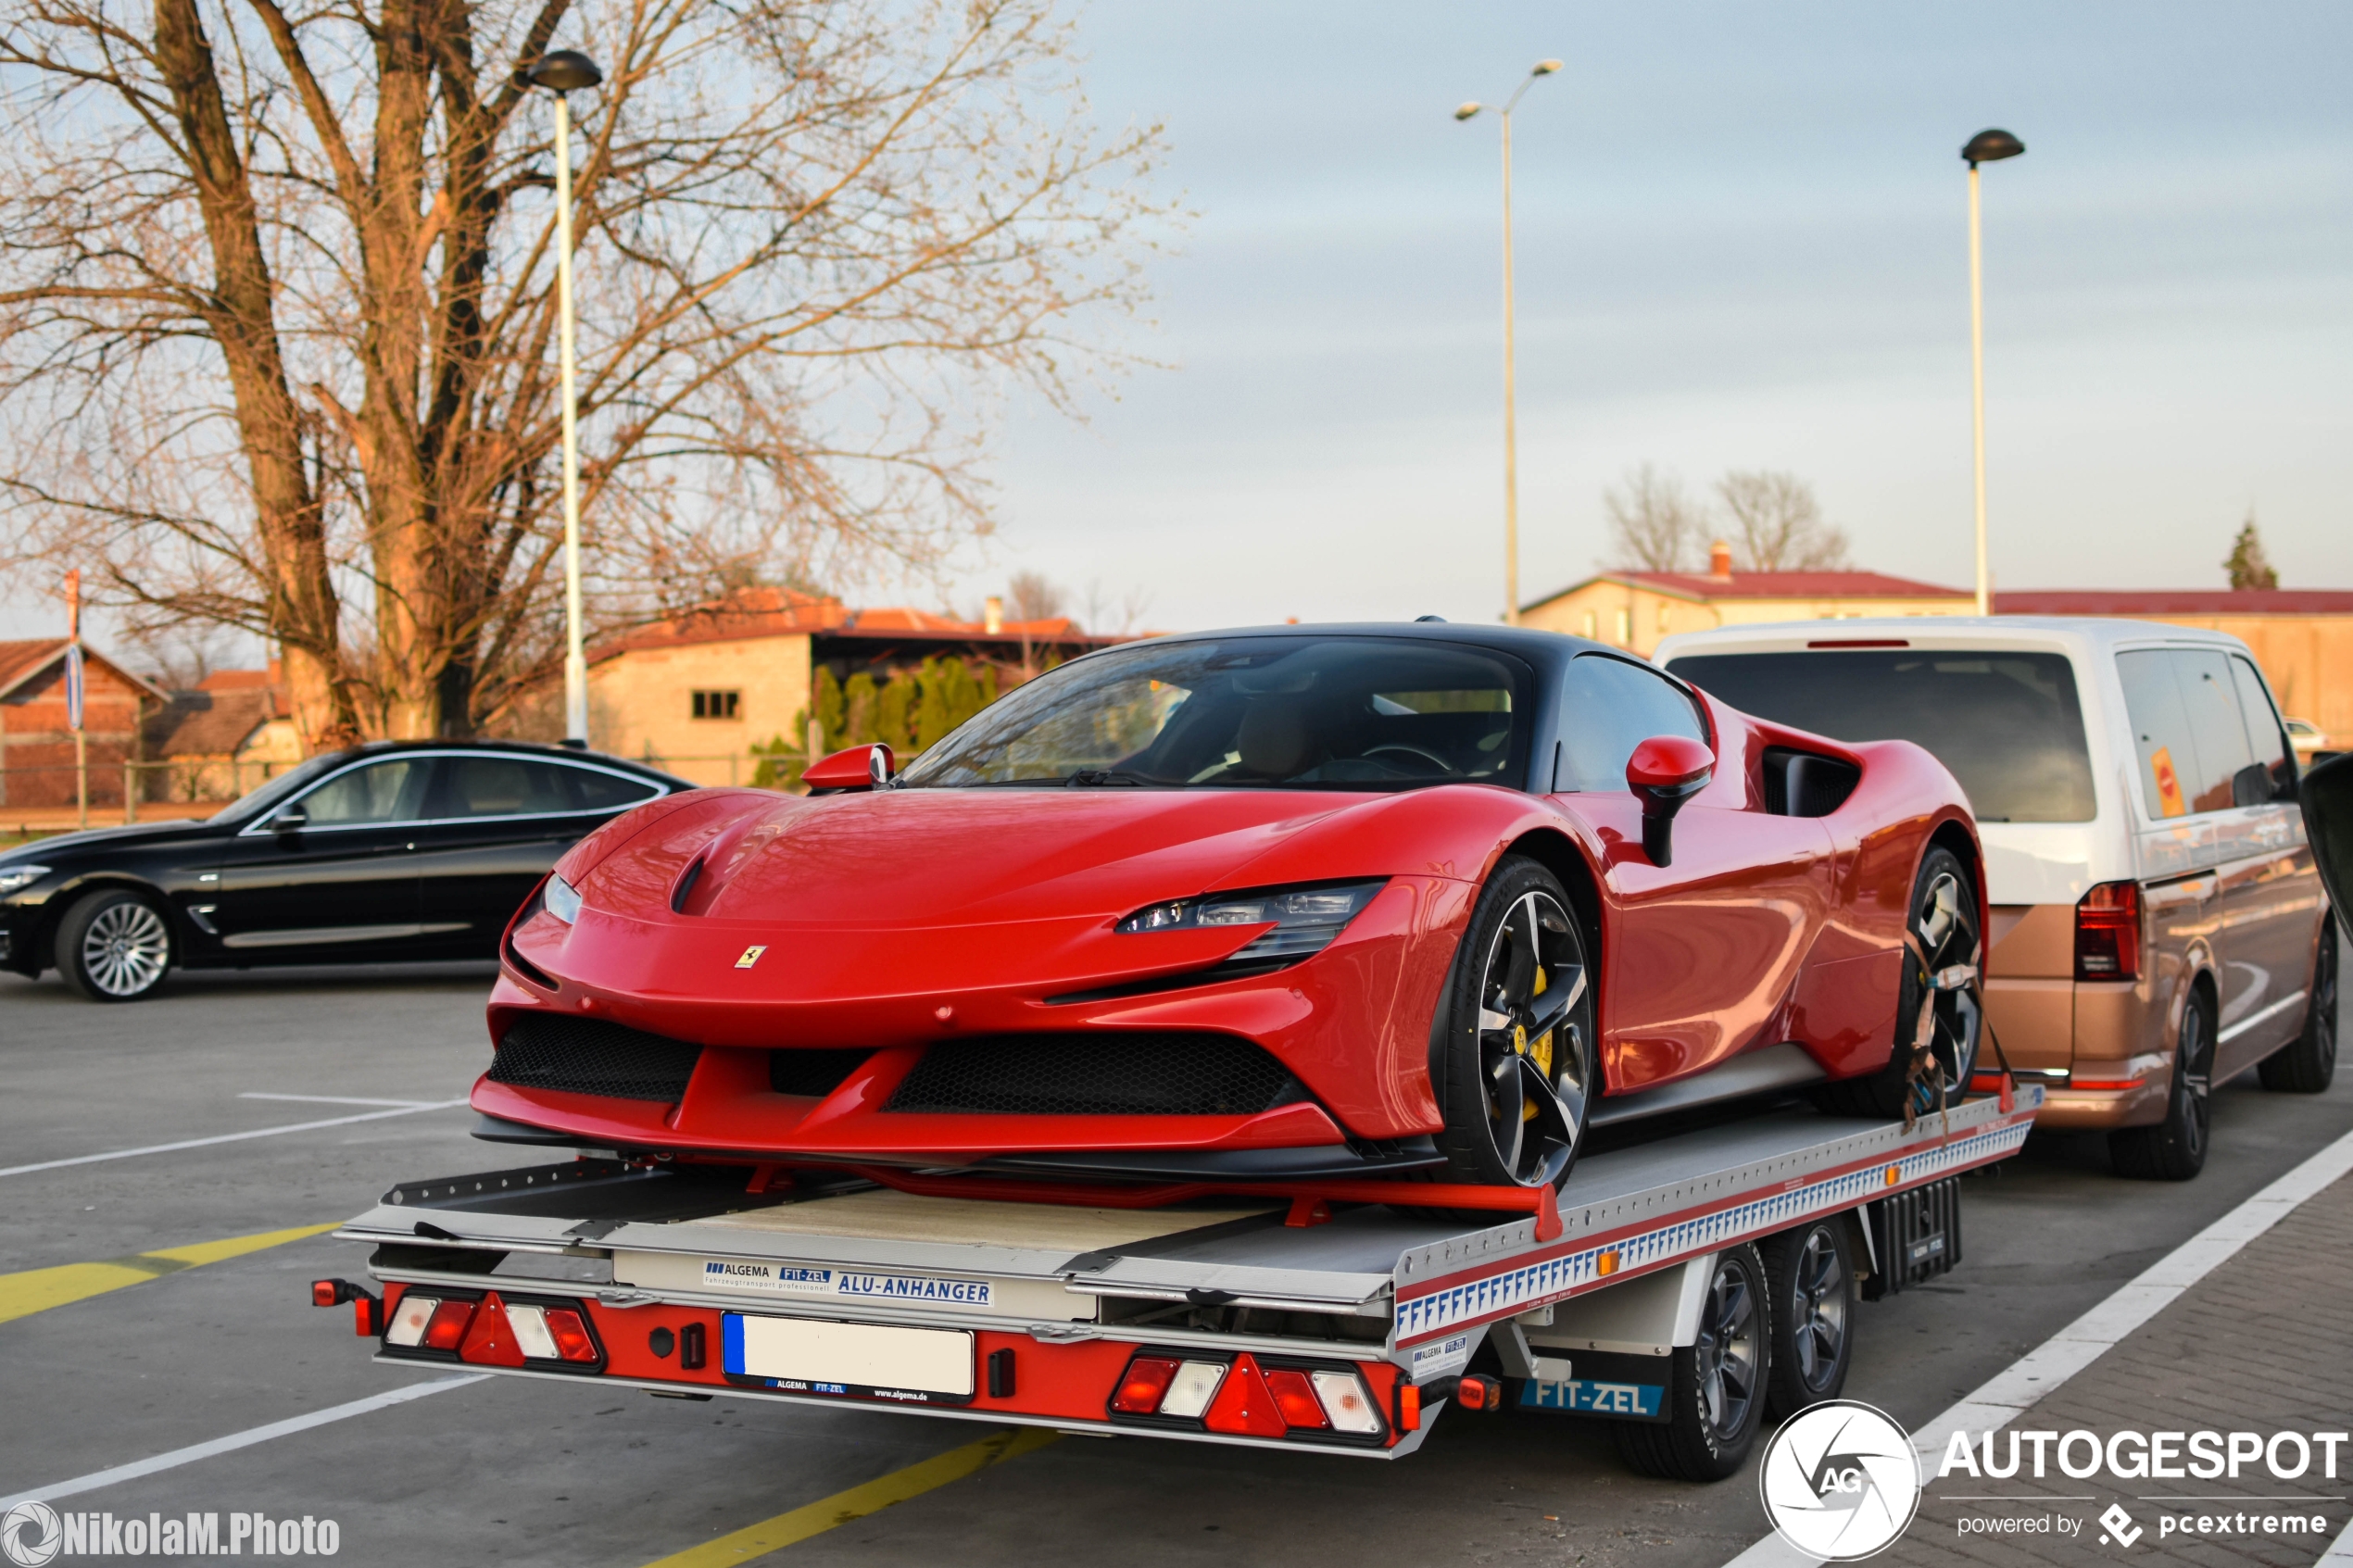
column 817, row 1355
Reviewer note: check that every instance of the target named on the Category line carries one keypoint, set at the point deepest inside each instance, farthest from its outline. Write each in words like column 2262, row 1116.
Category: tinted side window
column 2186, row 727
column 2265, row 733
column 608, row 791
column 501, row 786
column 1608, row 708
column 2007, row 724
column 382, row 792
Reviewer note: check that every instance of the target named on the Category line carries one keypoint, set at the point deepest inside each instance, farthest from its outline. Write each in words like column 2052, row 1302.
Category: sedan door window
column 390, row 791
column 503, row 786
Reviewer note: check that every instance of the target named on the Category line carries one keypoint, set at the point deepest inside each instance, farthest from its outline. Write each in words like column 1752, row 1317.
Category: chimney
column 992, row 614
column 1719, row 560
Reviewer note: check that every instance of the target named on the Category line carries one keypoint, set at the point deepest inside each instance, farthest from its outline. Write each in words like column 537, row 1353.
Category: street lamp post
column 1511, row 426
column 563, row 72
column 1986, row 146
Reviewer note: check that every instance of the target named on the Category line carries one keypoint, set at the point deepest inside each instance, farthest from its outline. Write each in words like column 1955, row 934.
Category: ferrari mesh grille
column 587, row 1056
column 818, row 1072
column 1096, row 1075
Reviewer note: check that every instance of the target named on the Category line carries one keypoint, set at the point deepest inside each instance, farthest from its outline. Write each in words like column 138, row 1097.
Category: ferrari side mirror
column 2326, row 794
column 1663, row 773
column 861, row 767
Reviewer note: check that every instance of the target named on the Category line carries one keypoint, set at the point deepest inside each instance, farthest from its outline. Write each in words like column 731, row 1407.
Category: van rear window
column 2007, row 724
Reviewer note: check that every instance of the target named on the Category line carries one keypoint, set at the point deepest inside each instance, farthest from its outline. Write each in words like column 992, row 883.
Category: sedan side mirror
column 861, row 767
column 1663, row 773
column 290, row 819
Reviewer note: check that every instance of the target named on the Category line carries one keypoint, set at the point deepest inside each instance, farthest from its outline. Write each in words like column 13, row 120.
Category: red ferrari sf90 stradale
column 1256, row 906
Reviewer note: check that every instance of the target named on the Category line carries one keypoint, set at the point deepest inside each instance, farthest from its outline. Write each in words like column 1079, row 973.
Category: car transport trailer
column 1678, row 1286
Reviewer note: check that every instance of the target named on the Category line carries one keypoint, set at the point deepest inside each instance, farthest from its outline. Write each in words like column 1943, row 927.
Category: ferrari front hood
column 958, row 857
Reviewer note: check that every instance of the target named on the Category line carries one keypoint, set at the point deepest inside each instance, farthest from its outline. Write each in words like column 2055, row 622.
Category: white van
column 2158, row 925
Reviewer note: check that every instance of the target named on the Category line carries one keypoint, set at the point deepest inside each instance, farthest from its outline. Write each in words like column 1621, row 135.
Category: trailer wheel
column 1518, row 1058
column 1716, row 1388
column 1812, row 1285
column 2307, row 1064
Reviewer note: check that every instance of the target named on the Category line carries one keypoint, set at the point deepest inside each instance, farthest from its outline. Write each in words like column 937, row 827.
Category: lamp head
column 1545, row 68
column 1467, row 111
column 1992, row 146
column 565, row 70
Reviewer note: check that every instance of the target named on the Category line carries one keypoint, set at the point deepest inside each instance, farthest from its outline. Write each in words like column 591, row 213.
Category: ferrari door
column 1706, row 949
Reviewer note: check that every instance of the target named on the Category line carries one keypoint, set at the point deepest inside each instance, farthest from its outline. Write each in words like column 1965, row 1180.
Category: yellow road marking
column 816, row 1518
column 37, row 1290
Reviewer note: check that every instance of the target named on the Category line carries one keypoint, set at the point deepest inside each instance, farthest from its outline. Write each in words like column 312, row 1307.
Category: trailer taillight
column 446, row 1330
column 571, row 1335
column 1140, row 1390
column 2107, row 932
column 408, row 1326
column 1242, row 1399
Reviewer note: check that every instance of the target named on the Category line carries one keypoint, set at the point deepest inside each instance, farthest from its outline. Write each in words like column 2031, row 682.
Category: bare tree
column 277, row 303
column 1031, row 596
column 1653, row 524
column 1777, row 524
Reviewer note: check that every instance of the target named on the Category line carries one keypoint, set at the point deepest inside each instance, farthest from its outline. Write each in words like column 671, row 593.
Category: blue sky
column 1741, row 242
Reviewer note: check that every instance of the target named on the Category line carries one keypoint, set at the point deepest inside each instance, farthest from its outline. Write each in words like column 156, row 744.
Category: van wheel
column 1714, row 1388
column 1811, row 1285
column 2307, row 1064
column 1943, row 944
column 2174, row 1150
column 113, row 945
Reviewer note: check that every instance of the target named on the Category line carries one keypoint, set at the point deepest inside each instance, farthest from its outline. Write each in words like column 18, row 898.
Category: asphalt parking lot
column 156, row 1356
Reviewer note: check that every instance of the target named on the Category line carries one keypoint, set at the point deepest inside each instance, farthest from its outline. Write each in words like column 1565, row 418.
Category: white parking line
column 406, row 1109
column 2040, row 1372
column 338, row 1100
column 236, row 1440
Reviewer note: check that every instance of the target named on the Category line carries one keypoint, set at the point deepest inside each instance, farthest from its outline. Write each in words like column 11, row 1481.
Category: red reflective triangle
column 1245, row 1406
column 491, row 1341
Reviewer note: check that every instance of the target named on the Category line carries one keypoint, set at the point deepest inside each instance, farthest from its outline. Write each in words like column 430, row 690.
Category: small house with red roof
column 697, row 692
column 1635, row 609
column 37, row 767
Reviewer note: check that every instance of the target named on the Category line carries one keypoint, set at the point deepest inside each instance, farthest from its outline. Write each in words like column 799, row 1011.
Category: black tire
column 1715, row 1389
column 113, row 945
column 1810, row 1284
column 1516, row 1057
column 2307, row 1064
column 2175, row 1149
column 1943, row 922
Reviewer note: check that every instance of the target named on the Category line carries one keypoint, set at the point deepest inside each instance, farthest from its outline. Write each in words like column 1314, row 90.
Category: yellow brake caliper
column 1540, row 1049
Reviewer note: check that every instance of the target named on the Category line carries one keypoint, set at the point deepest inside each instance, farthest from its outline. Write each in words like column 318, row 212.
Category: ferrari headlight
column 562, row 900
column 1304, row 918
column 16, row 878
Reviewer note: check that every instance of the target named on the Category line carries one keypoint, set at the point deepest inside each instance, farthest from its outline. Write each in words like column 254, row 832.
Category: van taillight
column 2107, row 932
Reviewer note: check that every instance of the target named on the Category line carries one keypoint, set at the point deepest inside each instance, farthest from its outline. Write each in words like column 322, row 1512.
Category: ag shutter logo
column 1839, row 1481
column 31, row 1534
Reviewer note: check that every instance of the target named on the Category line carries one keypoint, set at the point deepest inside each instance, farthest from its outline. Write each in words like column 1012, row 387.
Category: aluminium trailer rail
column 1222, row 1322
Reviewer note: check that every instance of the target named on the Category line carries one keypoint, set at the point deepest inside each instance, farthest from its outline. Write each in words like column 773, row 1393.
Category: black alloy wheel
column 1943, row 962
column 1716, row 1387
column 113, row 945
column 2175, row 1149
column 2307, row 1064
column 1520, row 1052
column 1812, row 1281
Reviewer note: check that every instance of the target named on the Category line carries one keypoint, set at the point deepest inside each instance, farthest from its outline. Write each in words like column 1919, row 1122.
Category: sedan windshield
column 1357, row 713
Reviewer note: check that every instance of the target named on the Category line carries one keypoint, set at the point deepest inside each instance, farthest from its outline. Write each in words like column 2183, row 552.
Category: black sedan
column 392, row 852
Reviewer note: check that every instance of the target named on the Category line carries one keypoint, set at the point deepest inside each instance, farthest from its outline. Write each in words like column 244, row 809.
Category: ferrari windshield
column 1296, row 713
